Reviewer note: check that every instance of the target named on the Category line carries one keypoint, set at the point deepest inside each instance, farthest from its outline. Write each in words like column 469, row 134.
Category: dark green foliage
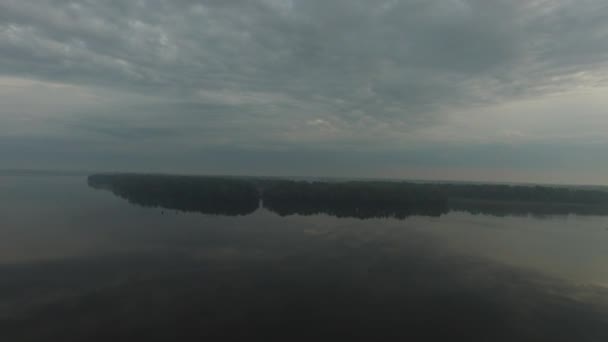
column 520, row 193
column 210, row 195
column 354, row 199
column 515, row 208
column 241, row 196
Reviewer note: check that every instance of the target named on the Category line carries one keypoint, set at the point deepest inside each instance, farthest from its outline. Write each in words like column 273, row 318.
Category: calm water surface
column 77, row 264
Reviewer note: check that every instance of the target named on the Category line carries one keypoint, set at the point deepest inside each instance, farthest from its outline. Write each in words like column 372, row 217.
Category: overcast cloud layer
column 409, row 88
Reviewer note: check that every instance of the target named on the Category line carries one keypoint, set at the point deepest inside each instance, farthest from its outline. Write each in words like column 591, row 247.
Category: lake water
column 78, row 264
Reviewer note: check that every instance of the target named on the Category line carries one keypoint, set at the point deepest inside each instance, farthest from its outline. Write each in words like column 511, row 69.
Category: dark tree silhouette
column 241, row 196
column 209, row 195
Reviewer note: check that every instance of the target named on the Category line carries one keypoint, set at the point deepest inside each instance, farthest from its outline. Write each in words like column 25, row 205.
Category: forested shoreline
column 361, row 199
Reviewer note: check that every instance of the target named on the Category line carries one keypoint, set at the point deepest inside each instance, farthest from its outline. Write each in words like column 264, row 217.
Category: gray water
column 78, row 264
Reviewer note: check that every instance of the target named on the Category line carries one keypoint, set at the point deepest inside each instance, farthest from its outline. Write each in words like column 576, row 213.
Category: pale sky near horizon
column 487, row 90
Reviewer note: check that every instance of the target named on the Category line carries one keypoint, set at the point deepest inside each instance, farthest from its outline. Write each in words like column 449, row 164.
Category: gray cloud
column 414, row 55
column 307, row 73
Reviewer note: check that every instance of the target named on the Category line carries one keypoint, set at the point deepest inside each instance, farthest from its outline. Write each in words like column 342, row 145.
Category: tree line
column 361, row 199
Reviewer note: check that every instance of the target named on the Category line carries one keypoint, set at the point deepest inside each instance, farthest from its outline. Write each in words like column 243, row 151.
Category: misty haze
column 303, row 170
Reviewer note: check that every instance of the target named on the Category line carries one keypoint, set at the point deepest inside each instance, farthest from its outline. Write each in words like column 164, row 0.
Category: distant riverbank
column 362, row 199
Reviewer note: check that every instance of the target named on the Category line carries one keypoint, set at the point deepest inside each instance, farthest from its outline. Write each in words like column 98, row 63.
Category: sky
column 482, row 90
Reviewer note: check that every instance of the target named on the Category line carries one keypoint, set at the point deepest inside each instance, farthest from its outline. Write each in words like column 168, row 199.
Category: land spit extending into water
column 361, row 199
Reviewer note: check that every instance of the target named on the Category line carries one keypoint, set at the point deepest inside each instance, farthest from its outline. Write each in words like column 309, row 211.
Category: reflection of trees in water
column 506, row 208
column 208, row 195
column 352, row 210
column 401, row 199
column 230, row 196
column 353, row 199
column 235, row 196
